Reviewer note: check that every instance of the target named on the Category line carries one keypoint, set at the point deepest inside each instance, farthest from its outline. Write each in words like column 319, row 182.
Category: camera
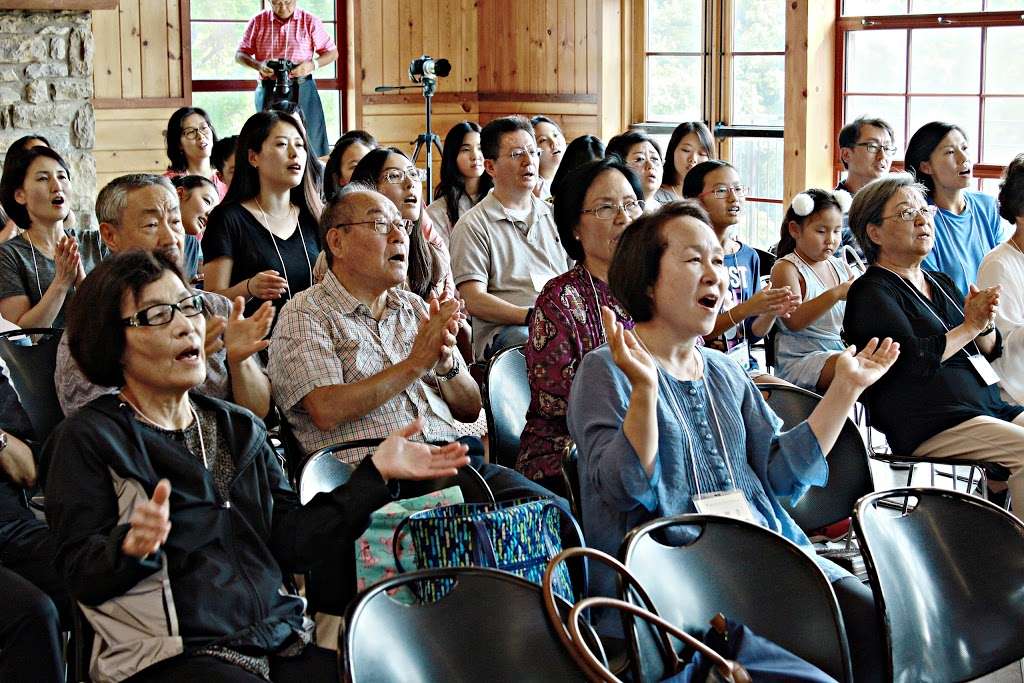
column 283, row 86
column 425, row 69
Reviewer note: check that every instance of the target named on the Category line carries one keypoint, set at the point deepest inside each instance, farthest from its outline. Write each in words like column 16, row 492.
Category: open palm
column 864, row 369
column 632, row 358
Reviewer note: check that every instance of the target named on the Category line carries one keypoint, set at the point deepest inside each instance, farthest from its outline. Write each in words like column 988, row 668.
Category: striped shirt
column 325, row 336
column 297, row 38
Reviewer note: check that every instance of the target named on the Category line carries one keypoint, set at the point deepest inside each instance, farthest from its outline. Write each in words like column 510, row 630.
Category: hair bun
column 803, row 204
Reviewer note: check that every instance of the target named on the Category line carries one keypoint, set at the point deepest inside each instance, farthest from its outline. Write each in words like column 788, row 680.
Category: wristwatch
column 988, row 330
column 3, row 441
column 451, row 374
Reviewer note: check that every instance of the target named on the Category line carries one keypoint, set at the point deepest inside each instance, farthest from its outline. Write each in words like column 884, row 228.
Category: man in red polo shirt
column 286, row 32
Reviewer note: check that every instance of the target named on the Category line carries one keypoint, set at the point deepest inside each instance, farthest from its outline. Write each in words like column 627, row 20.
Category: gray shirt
column 25, row 271
column 514, row 260
column 74, row 390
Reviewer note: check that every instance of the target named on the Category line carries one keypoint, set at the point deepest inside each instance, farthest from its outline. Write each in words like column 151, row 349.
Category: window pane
column 227, row 110
column 757, row 90
column 332, row 117
column 876, row 61
column 213, row 51
column 1001, row 5
column 945, row 60
column 759, row 164
column 330, row 71
column 759, row 224
column 674, row 88
column 963, row 111
column 1004, row 69
column 935, row 6
column 675, row 26
column 321, row 9
column 1004, row 129
column 889, row 109
column 759, row 25
column 857, row 8
column 224, row 9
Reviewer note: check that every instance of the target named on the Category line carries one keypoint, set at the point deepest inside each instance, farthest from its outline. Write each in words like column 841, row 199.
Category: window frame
column 337, row 85
column 950, row 20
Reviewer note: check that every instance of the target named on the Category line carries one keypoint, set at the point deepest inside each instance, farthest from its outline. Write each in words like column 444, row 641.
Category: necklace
column 273, row 239
column 597, row 302
column 195, row 421
column 1015, row 245
column 35, row 266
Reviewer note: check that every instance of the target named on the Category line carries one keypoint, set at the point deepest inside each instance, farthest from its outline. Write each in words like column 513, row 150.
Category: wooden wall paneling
column 175, row 72
column 106, row 76
column 129, row 141
column 565, row 44
column 469, row 61
column 593, row 46
column 638, row 70
column 390, row 45
column 485, row 40
column 610, row 72
column 447, row 44
column 580, row 46
column 410, row 30
column 369, row 45
column 130, row 45
column 549, row 39
column 153, row 47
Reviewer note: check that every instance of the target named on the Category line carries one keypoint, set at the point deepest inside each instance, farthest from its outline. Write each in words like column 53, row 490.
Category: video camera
column 283, row 85
column 425, row 71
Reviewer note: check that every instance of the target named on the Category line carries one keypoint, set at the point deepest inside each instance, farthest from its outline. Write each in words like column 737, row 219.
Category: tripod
column 428, row 139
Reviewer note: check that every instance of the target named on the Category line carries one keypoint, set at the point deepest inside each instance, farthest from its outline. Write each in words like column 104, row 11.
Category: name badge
column 724, row 504
column 984, row 369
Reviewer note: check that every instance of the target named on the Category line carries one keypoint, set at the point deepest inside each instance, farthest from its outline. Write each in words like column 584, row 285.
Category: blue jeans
column 312, row 110
column 510, row 335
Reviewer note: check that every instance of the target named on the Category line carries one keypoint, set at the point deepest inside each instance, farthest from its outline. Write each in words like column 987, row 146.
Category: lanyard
column 935, row 285
column 597, row 302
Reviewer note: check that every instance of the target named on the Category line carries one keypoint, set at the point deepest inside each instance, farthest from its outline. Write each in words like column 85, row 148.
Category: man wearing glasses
column 286, row 32
column 141, row 211
column 506, row 248
column 866, row 149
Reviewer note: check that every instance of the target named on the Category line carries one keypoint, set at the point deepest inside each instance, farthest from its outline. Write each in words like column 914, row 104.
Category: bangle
column 456, row 368
column 731, row 319
column 248, row 281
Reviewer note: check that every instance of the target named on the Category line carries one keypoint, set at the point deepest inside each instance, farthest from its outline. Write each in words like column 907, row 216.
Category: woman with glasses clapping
column 190, row 140
column 941, row 398
column 596, row 203
column 389, row 171
column 262, row 241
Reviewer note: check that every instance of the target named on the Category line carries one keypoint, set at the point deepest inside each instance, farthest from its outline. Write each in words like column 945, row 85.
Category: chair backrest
column 491, row 626
column 949, row 578
column 322, row 472
column 506, row 400
column 752, row 575
column 849, row 471
column 571, row 479
column 31, row 357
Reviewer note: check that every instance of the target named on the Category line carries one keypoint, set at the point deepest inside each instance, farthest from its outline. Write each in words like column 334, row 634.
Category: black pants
column 314, row 665
column 34, row 600
column 863, row 630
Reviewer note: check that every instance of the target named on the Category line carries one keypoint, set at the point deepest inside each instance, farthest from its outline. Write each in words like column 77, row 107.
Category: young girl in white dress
column 808, row 342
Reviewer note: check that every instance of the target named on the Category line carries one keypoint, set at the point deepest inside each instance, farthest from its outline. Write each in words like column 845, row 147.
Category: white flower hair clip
column 803, row 205
column 845, row 199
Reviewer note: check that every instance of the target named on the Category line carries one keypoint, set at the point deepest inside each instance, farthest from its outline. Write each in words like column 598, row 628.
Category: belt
column 270, row 81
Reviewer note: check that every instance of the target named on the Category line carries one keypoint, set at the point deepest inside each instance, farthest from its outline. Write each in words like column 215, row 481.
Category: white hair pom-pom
column 803, row 204
column 845, row 200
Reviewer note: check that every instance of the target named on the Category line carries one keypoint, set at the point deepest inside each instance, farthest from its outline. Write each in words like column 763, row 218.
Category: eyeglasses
column 394, row 176
column 641, row 161
column 161, row 314
column 908, row 214
column 517, row 154
column 193, row 133
column 874, row 148
column 631, row 207
column 720, row 192
column 382, row 226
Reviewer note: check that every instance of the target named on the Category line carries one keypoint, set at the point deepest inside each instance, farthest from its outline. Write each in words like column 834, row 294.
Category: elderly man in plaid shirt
column 356, row 355
column 285, row 32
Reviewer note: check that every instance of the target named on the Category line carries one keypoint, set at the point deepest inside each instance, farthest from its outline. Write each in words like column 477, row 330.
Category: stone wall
column 45, row 88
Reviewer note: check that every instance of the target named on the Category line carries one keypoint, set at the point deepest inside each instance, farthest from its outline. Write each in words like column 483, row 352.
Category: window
column 913, row 65
column 688, row 45
column 224, row 88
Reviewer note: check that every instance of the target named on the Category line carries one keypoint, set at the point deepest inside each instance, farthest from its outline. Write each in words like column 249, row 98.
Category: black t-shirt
column 921, row 395
column 234, row 232
column 14, row 421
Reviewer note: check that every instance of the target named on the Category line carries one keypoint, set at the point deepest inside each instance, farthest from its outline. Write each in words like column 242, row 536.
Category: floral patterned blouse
column 566, row 325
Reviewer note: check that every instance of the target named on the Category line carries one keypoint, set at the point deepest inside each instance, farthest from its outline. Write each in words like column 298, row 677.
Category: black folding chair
column 949, row 579
column 31, row 358
column 506, row 396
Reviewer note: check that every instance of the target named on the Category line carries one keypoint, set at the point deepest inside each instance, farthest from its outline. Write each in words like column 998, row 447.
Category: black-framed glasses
column 395, row 176
column 161, row 314
column 194, row 133
column 874, row 148
column 631, row 207
column 382, row 226
column 909, row 213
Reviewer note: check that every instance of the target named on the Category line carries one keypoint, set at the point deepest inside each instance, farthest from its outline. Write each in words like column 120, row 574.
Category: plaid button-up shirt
column 267, row 37
column 325, row 336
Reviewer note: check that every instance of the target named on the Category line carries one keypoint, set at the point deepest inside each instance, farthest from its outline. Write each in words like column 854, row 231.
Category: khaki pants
column 985, row 439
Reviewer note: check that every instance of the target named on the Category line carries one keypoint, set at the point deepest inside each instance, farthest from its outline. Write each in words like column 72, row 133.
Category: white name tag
column 724, row 504
column 984, row 369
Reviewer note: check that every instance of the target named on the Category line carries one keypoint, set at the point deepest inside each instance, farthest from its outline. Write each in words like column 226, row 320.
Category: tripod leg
column 417, row 150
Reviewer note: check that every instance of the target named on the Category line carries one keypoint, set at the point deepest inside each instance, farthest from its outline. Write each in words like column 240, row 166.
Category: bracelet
column 248, row 291
column 731, row 319
column 451, row 374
